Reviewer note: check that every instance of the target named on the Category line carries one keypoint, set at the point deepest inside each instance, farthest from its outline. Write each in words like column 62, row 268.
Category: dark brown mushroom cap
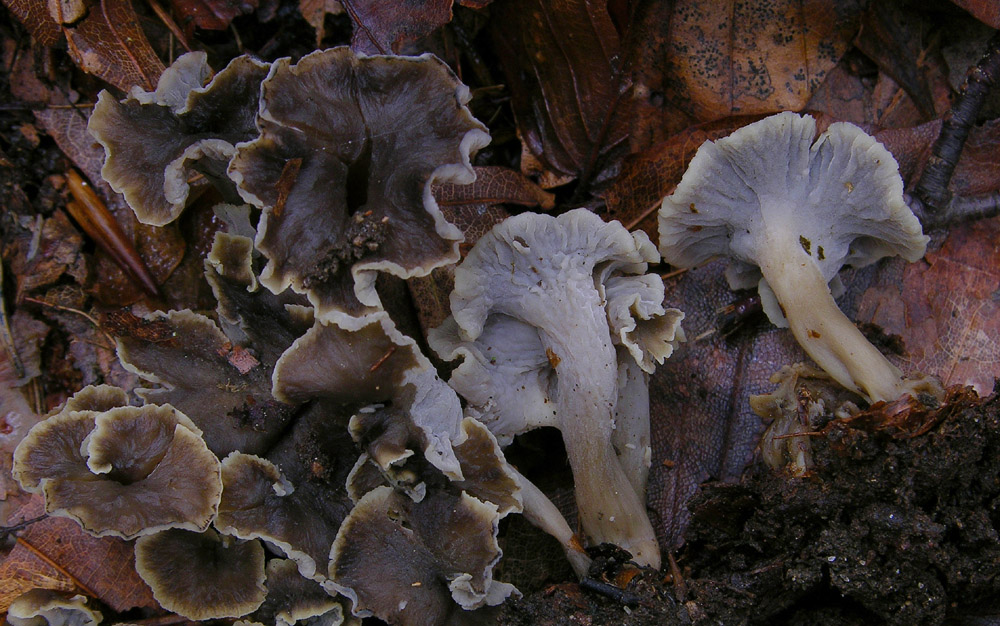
column 97, row 398
column 347, row 151
column 249, row 315
column 393, row 443
column 435, row 557
column 45, row 607
column 220, row 385
column 134, row 471
column 373, row 364
column 293, row 599
column 202, row 575
column 300, row 506
column 152, row 140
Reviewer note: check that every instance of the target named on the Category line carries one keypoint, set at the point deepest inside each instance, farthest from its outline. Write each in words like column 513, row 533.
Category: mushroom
column 348, row 149
column 45, row 607
column 533, row 310
column 435, row 558
column 222, row 381
column 152, row 141
column 292, row 599
column 791, row 212
column 128, row 471
column 202, row 575
column 296, row 499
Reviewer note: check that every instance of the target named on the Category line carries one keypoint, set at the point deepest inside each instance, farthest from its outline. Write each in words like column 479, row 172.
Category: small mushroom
column 533, row 310
column 348, row 149
column 128, row 471
column 435, row 558
column 153, row 142
column 45, row 607
column 296, row 499
column 202, row 575
column 292, row 599
column 791, row 212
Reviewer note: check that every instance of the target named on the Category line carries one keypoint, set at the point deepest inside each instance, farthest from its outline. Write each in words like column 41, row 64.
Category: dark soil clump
column 897, row 523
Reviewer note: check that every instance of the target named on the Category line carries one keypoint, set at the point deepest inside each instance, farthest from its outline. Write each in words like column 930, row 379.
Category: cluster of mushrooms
column 298, row 458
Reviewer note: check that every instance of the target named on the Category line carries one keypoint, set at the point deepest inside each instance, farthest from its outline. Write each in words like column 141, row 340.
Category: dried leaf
column 892, row 37
column 210, row 14
column 110, row 44
column 986, row 11
column 744, row 58
column 40, row 258
column 494, row 185
column 560, row 60
column 35, row 17
column 944, row 308
column 978, row 171
column 161, row 249
column 315, row 12
column 56, row 553
column 384, row 27
column 646, row 178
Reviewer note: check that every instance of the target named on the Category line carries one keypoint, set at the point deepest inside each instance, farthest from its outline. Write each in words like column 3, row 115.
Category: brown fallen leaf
column 35, row 17
column 108, row 42
column 944, row 307
column 561, row 61
column 645, row 178
column 55, row 553
column 494, row 185
column 384, row 27
column 986, row 11
column 40, row 257
column 315, row 12
column 743, row 58
column 210, row 14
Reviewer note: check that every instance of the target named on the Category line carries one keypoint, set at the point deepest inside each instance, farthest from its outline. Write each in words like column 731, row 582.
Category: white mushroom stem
column 820, row 327
column 579, row 347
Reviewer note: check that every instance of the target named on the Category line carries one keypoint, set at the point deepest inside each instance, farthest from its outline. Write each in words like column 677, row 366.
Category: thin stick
column 67, row 309
column 169, row 23
column 59, row 568
column 383, row 359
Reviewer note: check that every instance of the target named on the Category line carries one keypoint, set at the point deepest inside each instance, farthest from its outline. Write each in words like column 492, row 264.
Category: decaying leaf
column 315, row 12
column 944, row 308
column 384, row 27
column 210, row 14
column 110, row 44
column 561, row 63
column 745, row 58
column 986, row 11
column 56, row 553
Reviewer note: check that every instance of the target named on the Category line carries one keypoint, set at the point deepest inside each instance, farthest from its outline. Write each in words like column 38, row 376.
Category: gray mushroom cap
column 45, row 607
column 770, row 197
column 539, row 306
column 841, row 197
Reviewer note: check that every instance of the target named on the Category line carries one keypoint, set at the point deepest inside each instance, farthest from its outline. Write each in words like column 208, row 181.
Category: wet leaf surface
column 384, row 27
column 56, row 554
column 210, row 14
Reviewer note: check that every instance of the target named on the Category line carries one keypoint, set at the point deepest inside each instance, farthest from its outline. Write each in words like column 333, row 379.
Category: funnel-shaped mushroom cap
column 798, row 210
column 129, row 471
column 348, row 149
column 374, row 364
column 292, row 598
column 202, row 575
column 840, row 198
column 297, row 498
column 45, row 607
column 418, row 563
column 152, row 140
column 540, row 304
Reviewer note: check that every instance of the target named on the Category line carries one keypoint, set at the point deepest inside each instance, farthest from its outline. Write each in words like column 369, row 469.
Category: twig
column 59, row 568
column 932, row 198
column 67, row 309
column 383, row 359
column 615, row 593
column 6, row 530
column 169, row 23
